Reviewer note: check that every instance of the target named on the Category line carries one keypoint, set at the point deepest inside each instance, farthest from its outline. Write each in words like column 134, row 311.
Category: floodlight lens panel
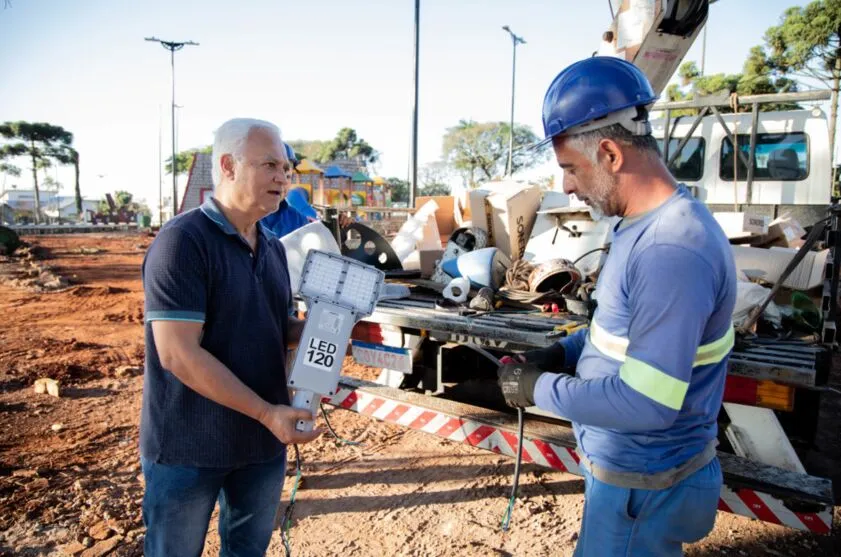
column 359, row 289
column 323, row 276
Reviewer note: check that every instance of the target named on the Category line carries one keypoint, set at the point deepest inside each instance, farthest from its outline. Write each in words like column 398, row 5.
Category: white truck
column 435, row 380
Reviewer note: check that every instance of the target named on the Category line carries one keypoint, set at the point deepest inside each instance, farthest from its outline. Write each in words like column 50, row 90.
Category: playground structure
column 332, row 186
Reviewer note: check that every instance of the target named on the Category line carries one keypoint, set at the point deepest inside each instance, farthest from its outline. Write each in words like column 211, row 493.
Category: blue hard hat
column 290, row 154
column 591, row 89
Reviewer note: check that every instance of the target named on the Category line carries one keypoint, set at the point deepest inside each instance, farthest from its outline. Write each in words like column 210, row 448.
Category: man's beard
column 603, row 193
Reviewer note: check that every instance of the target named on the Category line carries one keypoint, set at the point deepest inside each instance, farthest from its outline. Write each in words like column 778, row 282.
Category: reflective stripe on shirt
column 647, row 379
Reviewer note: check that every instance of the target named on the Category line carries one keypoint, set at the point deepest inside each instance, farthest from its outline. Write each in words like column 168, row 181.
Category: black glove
column 517, row 382
column 550, row 358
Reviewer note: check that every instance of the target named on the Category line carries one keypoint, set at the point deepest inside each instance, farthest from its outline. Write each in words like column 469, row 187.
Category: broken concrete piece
column 128, row 371
column 72, row 549
column 103, row 548
column 38, row 483
column 49, row 386
column 100, row 531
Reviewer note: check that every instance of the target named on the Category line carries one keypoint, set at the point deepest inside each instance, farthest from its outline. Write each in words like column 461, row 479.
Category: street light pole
column 413, row 185
column 515, row 40
column 172, row 46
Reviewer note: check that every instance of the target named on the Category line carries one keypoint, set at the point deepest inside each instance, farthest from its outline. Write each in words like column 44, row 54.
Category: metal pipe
column 723, row 99
column 754, row 124
column 688, row 136
column 729, row 135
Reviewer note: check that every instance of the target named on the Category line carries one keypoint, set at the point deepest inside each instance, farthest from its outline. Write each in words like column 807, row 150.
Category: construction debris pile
column 511, row 244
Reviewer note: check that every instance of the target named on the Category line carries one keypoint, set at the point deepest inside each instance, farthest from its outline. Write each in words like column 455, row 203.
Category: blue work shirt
column 285, row 220
column 199, row 269
column 299, row 200
column 650, row 372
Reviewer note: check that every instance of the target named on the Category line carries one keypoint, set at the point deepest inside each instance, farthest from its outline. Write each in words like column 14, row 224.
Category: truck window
column 690, row 164
column 779, row 157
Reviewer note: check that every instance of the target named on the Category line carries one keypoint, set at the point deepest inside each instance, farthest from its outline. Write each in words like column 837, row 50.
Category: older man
column 649, row 374
column 216, row 417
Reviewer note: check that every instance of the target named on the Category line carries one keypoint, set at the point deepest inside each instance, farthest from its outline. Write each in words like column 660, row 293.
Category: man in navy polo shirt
column 216, row 417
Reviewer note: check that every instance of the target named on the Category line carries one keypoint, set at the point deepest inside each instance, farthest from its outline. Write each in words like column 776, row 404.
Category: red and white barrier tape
column 745, row 502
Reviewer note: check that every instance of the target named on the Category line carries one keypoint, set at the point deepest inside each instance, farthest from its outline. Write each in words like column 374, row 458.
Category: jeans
column 179, row 500
column 623, row 522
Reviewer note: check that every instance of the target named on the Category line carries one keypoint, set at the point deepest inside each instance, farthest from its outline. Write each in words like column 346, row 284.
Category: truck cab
column 792, row 169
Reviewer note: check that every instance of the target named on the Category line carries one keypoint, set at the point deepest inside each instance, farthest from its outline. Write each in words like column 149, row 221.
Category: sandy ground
column 70, row 478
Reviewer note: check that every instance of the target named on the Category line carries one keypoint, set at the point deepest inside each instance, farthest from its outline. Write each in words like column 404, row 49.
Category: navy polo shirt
column 200, row 269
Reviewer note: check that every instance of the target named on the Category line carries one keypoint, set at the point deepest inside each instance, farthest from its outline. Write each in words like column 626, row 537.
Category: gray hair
column 230, row 140
column 588, row 142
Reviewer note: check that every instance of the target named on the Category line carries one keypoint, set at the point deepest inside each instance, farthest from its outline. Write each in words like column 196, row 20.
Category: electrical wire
column 602, row 248
column 333, row 431
column 286, row 522
column 506, row 518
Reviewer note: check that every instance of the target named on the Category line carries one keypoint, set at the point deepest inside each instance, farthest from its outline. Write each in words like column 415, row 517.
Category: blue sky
column 310, row 66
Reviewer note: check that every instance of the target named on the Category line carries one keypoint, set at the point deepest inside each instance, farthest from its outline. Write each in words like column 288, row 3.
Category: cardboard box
column 512, row 212
column 428, row 259
column 769, row 264
column 445, row 215
column 786, row 232
column 480, row 216
column 740, row 224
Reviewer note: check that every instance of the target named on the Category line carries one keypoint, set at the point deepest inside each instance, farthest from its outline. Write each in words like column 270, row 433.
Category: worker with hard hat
column 288, row 218
column 649, row 373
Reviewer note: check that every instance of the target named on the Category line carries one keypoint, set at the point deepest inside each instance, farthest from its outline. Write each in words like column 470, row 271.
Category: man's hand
column 281, row 420
column 551, row 358
column 345, row 220
column 517, row 381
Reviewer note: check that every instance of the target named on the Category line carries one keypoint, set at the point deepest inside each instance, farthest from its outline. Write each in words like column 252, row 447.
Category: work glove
column 517, row 382
column 551, row 358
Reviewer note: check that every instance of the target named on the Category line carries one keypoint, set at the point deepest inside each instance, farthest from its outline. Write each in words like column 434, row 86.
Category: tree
column 756, row 78
column 68, row 155
column 434, row 189
column 51, row 184
column 8, row 170
column 434, row 179
column 347, row 145
column 307, row 149
column 184, row 159
column 546, row 183
column 807, row 44
column 36, row 140
column 399, row 190
column 124, row 200
column 482, row 148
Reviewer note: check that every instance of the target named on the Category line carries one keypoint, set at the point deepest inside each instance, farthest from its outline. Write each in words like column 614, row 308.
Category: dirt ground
column 70, row 478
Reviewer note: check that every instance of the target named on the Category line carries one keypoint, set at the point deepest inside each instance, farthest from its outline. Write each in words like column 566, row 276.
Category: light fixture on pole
column 515, row 40
column 172, row 46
